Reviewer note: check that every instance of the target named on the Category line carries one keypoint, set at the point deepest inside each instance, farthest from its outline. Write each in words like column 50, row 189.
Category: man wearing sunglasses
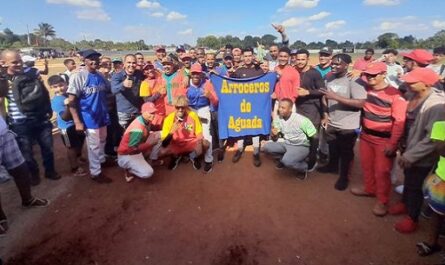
column 182, row 134
column 383, row 122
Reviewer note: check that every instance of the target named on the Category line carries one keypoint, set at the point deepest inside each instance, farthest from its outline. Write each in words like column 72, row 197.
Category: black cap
column 180, row 48
column 293, row 51
column 228, row 55
column 89, row 53
column 326, row 50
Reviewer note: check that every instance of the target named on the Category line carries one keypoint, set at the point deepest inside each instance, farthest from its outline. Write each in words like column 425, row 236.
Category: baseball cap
column 227, row 55
column 326, row 50
column 375, row 68
column 117, row 60
column 181, row 101
column 28, row 58
column 236, row 50
column 160, row 48
column 293, row 52
column 438, row 131
column 89, row 53
column 167, row 60
column 196, row 68
column 180, row 48
column 147, row 65
column 148, row 107
column 419, row 55
column 186, row 55
column 424, row 75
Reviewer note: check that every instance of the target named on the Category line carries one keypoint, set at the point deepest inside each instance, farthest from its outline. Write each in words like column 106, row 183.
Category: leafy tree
column 388, row 40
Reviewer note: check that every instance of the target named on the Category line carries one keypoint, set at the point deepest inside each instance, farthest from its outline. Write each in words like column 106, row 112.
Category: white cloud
column 93, row 14
column 312, row 30
column 186, row 32
column 293, row 22
column 173, row 15
column 328, row 34
column 148, row 4
column 157, row 14
column 403, row 25
column 438, row 24
column 82, row 3
column 381, row 2
column 319, row 16
column 301, row 3
column 334, row 24
column 390, row 25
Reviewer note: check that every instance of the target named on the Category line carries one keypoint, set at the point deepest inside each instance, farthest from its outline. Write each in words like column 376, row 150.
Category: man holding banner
column 245, row 105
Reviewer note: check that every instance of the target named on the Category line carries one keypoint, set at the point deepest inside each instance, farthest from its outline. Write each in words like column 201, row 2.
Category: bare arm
column 74, row 110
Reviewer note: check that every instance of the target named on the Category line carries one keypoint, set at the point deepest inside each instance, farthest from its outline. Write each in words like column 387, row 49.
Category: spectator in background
column 139, row 61
column 117, row 65
column 192, row 53
column 418, row 58
column 293, row 57
column 160, row 55
column 438, row 65
column 361, row 63
column 187, row 63
column 29, row 63
column 237, row 62
column 228, row 63
column 393, row 70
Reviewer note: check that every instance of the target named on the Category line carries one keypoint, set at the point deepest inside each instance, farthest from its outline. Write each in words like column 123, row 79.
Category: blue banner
column 244, row 105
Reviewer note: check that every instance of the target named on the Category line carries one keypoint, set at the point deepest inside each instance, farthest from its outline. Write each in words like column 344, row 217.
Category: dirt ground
column 236, row 215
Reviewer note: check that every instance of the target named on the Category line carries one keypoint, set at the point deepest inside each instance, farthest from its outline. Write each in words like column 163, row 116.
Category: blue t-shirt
column 196, row 97
column 59, row 108
column 91, row 90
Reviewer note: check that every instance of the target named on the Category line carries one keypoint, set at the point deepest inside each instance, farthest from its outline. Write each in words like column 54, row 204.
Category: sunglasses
column 371, row 75
column 180, row 107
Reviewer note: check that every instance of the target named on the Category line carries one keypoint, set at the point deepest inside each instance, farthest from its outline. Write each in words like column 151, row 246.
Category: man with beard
column 345, row 99
column 309, row 97
column 88, row 106
column 125, row 86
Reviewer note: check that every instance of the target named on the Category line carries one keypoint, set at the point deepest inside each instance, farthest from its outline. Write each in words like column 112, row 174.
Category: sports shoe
column 311, row 166
column 196, row 162
column 36, row 202
column 380, row 209
column 323, row 158
column 398, row 209
column 53, row 176
column 301, row 175
column 79, row 172
column 406, row 225
column 208, row 167
column 101, row 178
column 341, row 184
column 174, row 162
column 361, row 192
column 256, row 160
column 236, row 157
column 221, row 153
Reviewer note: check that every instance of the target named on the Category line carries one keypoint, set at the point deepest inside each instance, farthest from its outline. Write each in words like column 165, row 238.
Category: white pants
column 96, row 139
column 204, row 113
column 136, row 164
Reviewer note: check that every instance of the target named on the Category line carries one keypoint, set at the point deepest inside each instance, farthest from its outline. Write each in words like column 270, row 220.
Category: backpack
column 31, row 96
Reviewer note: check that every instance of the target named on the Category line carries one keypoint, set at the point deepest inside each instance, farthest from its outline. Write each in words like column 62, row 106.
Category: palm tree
column 45, row 30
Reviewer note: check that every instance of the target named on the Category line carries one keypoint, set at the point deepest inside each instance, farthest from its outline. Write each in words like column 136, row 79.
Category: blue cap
column 89, row 53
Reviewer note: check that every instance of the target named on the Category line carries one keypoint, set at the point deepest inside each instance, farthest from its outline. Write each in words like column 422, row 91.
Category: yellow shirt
column 189, row 128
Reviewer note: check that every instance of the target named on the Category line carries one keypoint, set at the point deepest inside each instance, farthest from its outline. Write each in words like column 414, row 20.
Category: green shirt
column 438, row 133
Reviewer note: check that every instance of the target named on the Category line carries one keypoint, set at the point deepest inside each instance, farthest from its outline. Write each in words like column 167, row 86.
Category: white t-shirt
column 392, row 74
column 3, row 126
column 436, row 68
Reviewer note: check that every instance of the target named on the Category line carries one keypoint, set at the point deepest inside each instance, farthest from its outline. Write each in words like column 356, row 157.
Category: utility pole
column 29, row 38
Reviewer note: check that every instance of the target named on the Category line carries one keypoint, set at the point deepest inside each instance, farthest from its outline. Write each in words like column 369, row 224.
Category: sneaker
column 380, row 209
column 301, row 175
column 196, row 163
column 398, row 209
column 399, row 189
column 311, row 166
column 279, row 165
column 341, row 184
column 36, row 202
column 174, row 162
column 361, row 192
column 79, row 172
column 256, row 160
column 101, row 178
column 406, row 225
column 208, row 167
column 323, row 158
column 53, row 176
column 236, row 157
column 221, row 153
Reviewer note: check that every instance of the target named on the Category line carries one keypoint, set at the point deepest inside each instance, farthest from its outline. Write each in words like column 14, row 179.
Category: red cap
column 196, row 68
column 148, row 65
column 419, row 55
column 186, row 55
column 424, row 75
column 160, row 48
column 148, row 107
column 375, row 68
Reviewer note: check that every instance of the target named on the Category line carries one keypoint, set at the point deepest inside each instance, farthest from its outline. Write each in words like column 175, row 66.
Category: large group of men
column 139, row 112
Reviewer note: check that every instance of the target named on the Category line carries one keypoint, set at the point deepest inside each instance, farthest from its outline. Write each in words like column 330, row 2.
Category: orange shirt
column 288, row 83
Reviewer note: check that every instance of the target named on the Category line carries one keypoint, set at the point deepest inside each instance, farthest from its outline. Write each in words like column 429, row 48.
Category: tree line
column 45, row 36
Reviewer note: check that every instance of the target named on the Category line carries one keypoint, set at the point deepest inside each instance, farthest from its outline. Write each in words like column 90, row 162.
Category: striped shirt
column 384, row 114
column 14, row 114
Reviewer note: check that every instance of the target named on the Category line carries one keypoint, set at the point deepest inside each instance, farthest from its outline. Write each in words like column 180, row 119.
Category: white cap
column 27, row 58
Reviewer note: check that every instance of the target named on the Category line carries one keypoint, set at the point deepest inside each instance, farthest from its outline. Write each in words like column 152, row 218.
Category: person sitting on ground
column 72, row 139
column 182, row 134
column 137, row 141
column 292, row 134
column 434, row 192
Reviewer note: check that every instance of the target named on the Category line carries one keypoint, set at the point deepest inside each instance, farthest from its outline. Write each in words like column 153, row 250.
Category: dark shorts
column 71, row 138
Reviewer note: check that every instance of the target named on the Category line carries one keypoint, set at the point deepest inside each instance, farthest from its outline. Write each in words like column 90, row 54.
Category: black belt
column 376, row 133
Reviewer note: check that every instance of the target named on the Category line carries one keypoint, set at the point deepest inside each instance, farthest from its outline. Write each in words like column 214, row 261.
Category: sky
column 178, row 22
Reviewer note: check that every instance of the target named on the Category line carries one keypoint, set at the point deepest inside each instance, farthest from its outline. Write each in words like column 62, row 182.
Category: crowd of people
column 138, row 113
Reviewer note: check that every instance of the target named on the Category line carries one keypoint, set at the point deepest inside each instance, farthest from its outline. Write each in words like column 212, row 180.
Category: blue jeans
column 30, row 132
